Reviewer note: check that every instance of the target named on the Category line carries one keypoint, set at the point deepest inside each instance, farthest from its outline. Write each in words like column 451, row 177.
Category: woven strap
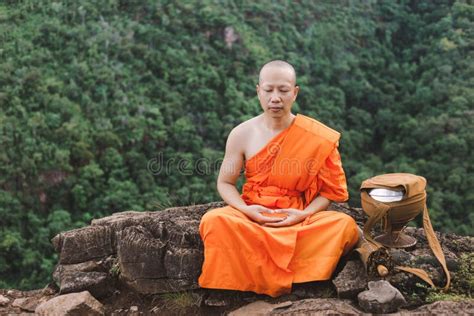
column 374, row 218
column 437, row 251
column 434, row 245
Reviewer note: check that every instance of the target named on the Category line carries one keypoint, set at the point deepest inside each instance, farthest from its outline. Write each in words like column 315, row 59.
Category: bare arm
column 230, row 171
column 228, row 175
column 320, row 203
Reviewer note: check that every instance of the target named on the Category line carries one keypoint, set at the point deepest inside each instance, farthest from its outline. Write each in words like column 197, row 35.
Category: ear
column 296, row 89
column 257, row 88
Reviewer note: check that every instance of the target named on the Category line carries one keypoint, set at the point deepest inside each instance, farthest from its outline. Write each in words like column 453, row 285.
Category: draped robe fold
column 294, row 167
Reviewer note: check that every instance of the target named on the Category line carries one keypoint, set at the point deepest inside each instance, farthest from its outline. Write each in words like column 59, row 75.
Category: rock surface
column 83, row 244
column 381, row 298
column 259, row 308
column 161, row 252
column 444, row 308
column 345, row 307
column 72, row 304
column 4, row 300
column 98, row 284
column 157, row 252
column 26, row 303
column 351, row 280
column 90, row 275
column 318, row 306
column 143, row 256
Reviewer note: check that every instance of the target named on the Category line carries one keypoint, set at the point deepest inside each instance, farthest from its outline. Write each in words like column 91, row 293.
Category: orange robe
column 297, row 165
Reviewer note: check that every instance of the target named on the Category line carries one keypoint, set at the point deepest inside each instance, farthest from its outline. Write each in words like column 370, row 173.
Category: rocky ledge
column 134, row 263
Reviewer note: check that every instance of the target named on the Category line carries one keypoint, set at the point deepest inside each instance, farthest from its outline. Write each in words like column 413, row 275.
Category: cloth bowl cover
column 387, row 195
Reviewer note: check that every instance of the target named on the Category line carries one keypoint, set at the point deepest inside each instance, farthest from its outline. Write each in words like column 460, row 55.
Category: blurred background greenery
column 91, row 92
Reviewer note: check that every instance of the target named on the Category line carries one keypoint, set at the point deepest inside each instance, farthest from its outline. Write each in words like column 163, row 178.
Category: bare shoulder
column 244, row 129
column 239, row 137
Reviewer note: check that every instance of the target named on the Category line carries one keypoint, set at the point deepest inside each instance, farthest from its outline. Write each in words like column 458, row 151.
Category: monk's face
column 277, row 91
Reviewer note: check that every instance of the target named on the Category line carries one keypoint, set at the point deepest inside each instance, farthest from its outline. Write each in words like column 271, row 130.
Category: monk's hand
column 293, row 216
column 257, row 214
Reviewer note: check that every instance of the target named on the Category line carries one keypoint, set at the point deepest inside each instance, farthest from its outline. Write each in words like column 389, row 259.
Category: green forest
column 110, row 105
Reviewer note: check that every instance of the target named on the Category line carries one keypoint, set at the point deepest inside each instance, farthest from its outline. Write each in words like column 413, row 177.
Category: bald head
column 280, row 65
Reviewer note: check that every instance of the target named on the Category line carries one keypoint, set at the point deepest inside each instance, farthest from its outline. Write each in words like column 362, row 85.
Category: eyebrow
column 280, row 86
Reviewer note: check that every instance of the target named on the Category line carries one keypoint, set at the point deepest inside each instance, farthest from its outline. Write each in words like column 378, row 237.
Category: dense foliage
column 114, row 105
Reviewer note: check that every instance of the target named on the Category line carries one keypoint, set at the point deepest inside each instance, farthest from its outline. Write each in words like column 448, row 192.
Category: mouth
column 275, row 109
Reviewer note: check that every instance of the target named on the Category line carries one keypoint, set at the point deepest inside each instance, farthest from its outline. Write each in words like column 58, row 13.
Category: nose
column 275, row 97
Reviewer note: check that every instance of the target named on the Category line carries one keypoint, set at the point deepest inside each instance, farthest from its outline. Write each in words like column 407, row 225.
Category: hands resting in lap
column 275, row 217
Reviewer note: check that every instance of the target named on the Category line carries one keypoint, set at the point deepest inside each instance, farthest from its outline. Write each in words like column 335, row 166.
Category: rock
column 26, row 303
column 82, row 303
column 121, row 220
column 400, row 256
column 356, row 213
column 50, row 289
column 91, row 275
column 318, row 306
column 351, row 280
column 160, row 252
column 136, row 248
column 4, row 300
column 300, row 293
column 381, row 298
column 175, row 259
column 133, row 311
column 82, row 244
column 99, row 284
column 216, row 301
column 157, row 252
column 315, row 289
column 154, row 286
column 62, row 269
column 444, row 308
column 258, row 308
column 151, row 265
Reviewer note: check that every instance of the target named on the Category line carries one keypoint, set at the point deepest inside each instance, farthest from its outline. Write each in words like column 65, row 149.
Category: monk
column 278, row 231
